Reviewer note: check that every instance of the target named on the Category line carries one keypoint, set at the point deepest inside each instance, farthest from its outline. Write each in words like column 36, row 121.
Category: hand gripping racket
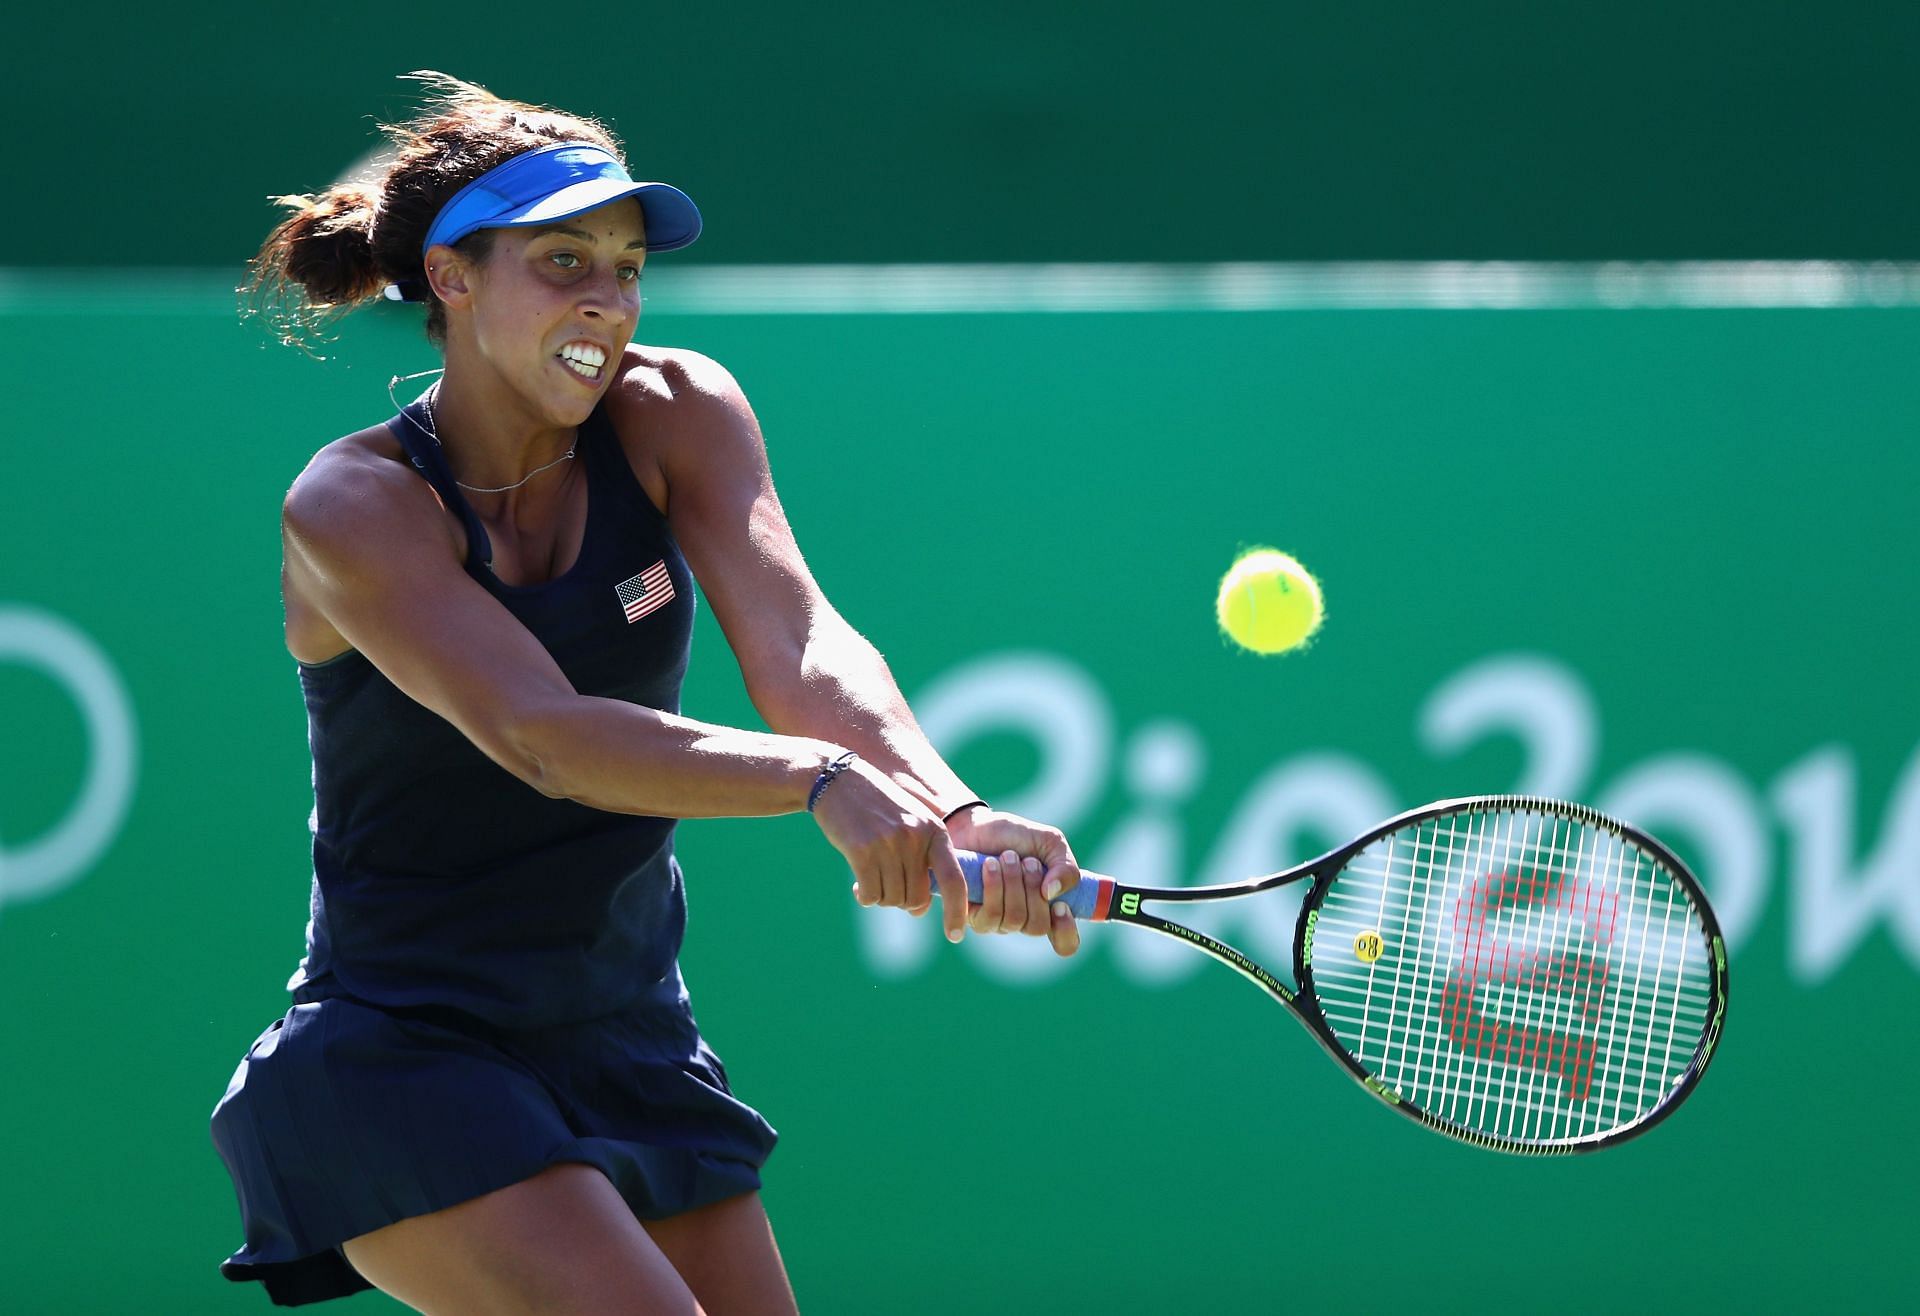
column 1518, row 973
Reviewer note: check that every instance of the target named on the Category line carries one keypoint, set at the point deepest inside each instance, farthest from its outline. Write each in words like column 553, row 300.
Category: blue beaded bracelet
column 827, row 774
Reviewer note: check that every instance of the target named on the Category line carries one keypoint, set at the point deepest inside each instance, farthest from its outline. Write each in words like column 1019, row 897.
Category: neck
column 492, row 438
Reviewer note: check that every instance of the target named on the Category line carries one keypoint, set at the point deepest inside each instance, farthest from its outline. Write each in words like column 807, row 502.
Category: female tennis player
column 490, row 1094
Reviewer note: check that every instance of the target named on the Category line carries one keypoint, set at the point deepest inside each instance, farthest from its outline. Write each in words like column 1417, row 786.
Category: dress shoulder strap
column 423, row 449
column 611, row 471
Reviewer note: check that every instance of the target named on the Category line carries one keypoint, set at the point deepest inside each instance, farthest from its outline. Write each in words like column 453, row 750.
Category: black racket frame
column 1302, row 1000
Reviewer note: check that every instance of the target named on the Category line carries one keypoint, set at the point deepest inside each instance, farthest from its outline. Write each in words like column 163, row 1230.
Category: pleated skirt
column 344, row 1118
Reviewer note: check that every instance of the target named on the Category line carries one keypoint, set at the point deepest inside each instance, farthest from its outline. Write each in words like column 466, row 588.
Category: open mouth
column 584, row 360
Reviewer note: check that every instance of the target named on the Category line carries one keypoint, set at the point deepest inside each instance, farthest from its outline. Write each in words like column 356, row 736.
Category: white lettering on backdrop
column 1310, row 799
column 67, row 850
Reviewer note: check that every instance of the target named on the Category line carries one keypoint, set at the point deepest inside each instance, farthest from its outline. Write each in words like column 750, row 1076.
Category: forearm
column 625, row 758
column 839, row 689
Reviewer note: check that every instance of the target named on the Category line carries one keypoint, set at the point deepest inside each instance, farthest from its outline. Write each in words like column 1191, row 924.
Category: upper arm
column 365, row 544
column 728, row 520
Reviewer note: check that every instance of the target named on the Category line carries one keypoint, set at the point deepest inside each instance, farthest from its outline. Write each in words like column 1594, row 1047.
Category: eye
column 562, row 257
column 630, row 274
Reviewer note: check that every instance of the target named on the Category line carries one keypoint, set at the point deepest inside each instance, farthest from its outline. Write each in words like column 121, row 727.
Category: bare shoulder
column 675, row 391
column 673, row 375
column 356, row 508
column 679, row 413
column 359, row 486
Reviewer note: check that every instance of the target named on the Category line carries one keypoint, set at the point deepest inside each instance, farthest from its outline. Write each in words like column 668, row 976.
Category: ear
column 450, row 276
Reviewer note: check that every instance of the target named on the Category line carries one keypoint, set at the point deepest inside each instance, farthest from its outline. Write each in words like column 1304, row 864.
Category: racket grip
column 1084, row 899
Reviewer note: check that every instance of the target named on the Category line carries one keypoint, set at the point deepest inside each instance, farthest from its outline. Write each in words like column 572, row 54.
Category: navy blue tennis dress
column 491, row 982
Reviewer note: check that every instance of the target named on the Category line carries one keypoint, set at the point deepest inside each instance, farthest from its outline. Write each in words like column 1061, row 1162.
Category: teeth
column 581, row 368
column 585, row 354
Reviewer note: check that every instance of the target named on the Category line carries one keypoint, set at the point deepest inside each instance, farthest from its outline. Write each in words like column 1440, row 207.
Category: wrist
column 803, row 768
column 963, row 812
column 828, row 773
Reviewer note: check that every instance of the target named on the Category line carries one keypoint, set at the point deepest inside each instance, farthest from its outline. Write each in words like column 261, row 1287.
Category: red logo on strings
column 1578, row 981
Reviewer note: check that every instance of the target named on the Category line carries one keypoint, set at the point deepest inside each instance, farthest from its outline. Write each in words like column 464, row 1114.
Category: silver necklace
column 432, row 430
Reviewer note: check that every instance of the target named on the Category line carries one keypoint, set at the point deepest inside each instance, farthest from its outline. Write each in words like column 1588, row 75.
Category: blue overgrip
column 1083, row 899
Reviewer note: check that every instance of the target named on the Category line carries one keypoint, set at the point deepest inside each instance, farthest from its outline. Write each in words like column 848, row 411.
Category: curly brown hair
column 344, row 246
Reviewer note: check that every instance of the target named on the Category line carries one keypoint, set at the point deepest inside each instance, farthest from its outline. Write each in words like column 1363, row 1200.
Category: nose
column 608, row 299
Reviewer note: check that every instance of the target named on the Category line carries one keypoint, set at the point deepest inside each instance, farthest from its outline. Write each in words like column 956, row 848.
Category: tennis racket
column 1518, row 973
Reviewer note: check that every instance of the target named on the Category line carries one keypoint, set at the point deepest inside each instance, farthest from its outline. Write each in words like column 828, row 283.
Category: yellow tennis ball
column 1268, row 602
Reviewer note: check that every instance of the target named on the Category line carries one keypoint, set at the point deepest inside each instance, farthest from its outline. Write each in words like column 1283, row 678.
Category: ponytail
column 343, row 247
column 317, row 262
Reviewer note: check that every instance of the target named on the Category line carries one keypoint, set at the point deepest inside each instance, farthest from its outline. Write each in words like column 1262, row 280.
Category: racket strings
column 1533, row 978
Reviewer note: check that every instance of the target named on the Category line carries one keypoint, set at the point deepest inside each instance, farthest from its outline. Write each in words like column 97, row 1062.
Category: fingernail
column 954, row 935
column 1051, row 889
column 1060, row 909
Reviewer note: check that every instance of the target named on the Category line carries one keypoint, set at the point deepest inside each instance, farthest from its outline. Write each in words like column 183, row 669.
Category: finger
column 893, row 882
column 920, row 879
column 1063, row 872
column 1065, row 931
column 866, row 884
column 953, row 887
column 1020, row 891
column 985, row 916
column 1038, row 917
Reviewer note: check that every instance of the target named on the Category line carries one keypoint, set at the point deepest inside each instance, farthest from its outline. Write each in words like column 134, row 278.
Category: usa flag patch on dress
column 651, row 589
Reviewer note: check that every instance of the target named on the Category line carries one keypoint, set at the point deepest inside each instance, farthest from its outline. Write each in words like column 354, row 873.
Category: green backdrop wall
column 1653, row 559
column 1040, row 130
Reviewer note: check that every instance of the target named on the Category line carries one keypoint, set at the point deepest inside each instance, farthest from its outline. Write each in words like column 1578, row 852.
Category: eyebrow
column 583, row 235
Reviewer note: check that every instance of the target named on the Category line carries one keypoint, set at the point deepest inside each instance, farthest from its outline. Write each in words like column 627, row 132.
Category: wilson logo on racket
column 647, row 592
column 1515, row 972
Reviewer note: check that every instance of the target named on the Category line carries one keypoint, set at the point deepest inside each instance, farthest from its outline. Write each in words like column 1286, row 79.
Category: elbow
column 534, row 752
column 539, row 773
column 793, row 679
column 778, row 682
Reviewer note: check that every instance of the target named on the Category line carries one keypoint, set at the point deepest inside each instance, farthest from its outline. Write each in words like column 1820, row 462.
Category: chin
column 572, row 414
column 568, row 406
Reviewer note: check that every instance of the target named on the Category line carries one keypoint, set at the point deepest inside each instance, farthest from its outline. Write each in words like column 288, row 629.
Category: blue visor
column 557, row 182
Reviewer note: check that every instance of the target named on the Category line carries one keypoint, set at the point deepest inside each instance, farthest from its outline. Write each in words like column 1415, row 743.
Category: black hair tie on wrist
column 948, row 816
column 827, row 775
